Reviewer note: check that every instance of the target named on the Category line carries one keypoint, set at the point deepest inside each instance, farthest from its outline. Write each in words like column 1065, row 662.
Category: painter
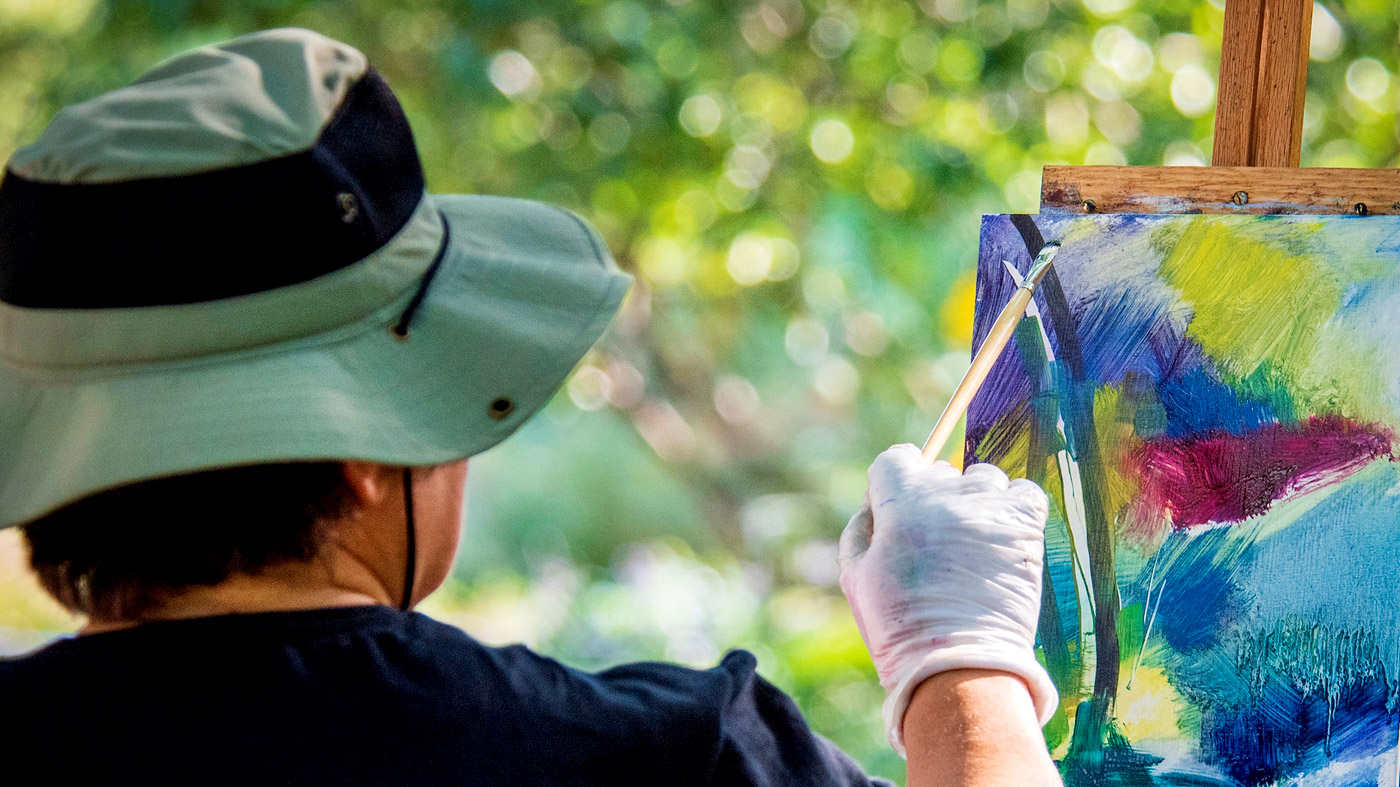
column 246, row 357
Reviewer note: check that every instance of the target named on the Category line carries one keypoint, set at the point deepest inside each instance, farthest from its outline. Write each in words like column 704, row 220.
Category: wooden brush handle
column 1002, row 331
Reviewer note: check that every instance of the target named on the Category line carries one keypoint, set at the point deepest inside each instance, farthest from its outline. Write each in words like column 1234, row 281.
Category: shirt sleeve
column 763, row 739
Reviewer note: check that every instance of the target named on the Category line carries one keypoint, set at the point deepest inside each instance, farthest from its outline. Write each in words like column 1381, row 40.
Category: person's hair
column 118, row 553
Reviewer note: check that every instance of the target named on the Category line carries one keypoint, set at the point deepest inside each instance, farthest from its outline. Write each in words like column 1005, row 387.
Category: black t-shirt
column 370, row 695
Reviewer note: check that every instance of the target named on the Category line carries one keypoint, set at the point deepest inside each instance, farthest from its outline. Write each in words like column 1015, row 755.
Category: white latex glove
column 942, row 571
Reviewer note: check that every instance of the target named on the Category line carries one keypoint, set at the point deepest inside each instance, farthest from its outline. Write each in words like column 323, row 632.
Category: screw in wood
column 1360, row 209
column 1240, row 198
column 1090, row 206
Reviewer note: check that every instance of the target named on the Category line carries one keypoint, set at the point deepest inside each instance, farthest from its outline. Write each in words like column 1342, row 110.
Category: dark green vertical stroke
column 1077, row 408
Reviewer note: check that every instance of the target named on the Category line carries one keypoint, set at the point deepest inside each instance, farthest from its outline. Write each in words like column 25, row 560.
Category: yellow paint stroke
column 1259, row 299
column 1009, row 440
column 1151, row 709
column 1113, row 421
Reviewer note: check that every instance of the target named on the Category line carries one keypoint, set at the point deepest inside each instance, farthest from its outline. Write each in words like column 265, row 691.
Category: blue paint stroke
column 1198, row 403
column 1199, row 597
column 1315, row 694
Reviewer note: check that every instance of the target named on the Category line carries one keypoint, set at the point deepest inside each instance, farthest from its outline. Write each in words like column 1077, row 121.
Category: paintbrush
column 1001, row 333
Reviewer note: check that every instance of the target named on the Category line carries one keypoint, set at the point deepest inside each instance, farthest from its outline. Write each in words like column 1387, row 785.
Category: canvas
column 1211, row 403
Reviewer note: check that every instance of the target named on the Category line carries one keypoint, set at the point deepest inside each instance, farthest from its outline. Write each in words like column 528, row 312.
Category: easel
column 1258, row 140
column 1258, row 143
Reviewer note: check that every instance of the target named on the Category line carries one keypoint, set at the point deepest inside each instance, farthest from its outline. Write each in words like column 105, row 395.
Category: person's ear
column 368, row 481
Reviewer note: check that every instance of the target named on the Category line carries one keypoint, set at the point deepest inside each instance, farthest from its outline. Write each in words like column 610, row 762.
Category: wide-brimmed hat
column 234, row 261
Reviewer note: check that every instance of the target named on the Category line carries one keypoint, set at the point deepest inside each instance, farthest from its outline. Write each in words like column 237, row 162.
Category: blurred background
column 796, row 185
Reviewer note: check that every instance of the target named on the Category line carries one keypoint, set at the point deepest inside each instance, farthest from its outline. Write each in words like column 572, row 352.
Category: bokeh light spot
column 1066, row 120
column 786, row 259
column 961, row 61
column 807, row 341
column 1325, row 41
column 836, row 380
column 832, row 140
column 512, row 73
column 1108, row 7
column 831, row 35
column 1105, row 154
column 589, row 388
column 735, row 399
column 750, row 258
column 661, row 261
column 918, row 53
column 890, row 186
column 1183, row 153
column 1193, row 91
column 1043, row 71
column 609, row 133
column 1368, row 79
column 700, row 115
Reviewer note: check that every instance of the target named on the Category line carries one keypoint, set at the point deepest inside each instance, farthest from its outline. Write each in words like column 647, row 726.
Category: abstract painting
column 1211, row 403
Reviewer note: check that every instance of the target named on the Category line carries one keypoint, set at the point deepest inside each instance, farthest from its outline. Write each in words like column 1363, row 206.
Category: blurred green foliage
column 796, row 184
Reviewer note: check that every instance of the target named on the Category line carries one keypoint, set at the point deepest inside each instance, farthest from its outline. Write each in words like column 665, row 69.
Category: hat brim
column 522, row 292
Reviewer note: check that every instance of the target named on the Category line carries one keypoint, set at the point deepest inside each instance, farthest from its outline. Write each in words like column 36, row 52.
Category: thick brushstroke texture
column 1004, row 442
column 1198, row 597
column 1334, row 614
column 1350, row 526
column 1113, row 330
column 1315, row 693
column 1235, row 377
column 1224, row 477
column 1196, row 401
column 1263, row 308
column 1077, row 406
column 1042, row 444
column 1007, row 386
column 1119, row 411
column 1059, row 565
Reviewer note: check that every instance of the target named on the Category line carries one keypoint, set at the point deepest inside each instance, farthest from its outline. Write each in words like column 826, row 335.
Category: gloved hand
column 942, row 571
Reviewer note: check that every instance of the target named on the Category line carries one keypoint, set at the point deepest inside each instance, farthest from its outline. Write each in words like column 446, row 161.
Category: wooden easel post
column 1263, row 81
column 1258, row 140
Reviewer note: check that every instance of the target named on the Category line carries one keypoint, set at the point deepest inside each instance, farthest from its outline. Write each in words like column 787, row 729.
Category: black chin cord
column 411, row 563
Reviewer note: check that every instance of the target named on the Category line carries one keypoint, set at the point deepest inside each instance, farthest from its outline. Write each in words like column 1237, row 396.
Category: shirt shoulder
column 450, row 704
column 745, row 730
column 722, row 725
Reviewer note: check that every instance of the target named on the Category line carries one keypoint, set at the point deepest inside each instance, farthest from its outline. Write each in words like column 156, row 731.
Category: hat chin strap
column 411, row 563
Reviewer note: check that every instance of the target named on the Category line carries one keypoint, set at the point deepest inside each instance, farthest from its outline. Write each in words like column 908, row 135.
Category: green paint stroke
column 1042, row 443
column 1260, row 297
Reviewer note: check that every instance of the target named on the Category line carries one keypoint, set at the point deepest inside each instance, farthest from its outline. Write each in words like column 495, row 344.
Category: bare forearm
column 975, row 728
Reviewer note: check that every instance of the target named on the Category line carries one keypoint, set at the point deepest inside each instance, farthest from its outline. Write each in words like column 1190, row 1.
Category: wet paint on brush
column 1217, row 426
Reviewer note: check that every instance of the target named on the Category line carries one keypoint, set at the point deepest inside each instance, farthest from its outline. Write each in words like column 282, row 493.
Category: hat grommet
column 349, row 207
column 500, row 407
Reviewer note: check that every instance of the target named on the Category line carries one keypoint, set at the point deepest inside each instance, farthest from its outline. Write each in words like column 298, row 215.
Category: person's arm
column 942, row 570
column 975, row 728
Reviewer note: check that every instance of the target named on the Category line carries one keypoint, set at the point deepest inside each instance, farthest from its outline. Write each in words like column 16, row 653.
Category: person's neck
column 284, row 588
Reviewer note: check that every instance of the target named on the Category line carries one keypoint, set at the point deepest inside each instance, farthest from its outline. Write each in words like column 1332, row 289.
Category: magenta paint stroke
column 1226, row 477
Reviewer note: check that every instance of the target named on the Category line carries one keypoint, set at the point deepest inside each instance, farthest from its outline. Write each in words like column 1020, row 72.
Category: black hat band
column 219, row 234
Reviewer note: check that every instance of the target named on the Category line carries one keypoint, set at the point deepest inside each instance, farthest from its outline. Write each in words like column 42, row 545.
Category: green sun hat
column 233, row 260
